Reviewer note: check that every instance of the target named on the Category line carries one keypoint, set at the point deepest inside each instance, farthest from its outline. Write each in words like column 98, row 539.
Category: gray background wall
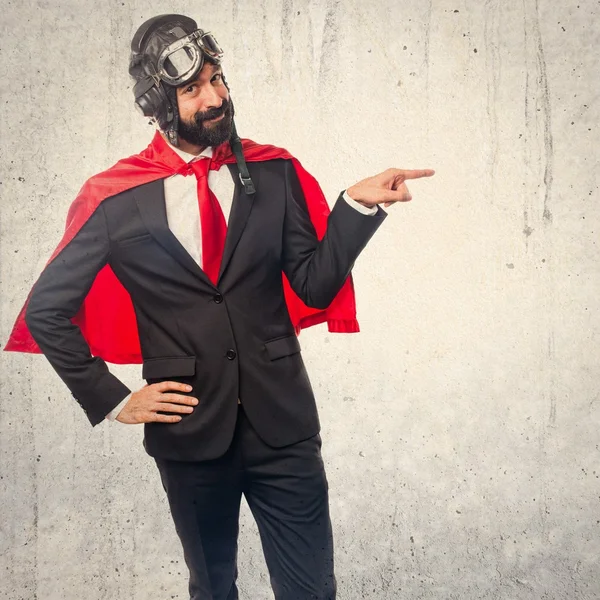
column 461, row 426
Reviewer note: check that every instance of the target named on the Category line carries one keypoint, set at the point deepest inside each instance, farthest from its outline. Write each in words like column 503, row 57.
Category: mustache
column 212, row 113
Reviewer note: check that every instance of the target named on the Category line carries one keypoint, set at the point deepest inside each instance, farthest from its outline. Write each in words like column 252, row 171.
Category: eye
column 189, row 89
column 219, row 75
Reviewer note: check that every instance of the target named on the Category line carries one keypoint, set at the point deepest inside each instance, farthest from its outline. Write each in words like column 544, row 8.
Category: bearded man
column 202, row 257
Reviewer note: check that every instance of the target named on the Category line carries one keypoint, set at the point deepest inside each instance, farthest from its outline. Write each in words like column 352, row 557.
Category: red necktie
column 212, row 221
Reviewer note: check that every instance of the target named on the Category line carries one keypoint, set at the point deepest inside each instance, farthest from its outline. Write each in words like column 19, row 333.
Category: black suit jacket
column 229, row 341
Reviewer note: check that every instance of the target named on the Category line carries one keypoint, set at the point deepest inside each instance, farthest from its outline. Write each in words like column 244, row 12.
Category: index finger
column 417, row 173
column 165, row 386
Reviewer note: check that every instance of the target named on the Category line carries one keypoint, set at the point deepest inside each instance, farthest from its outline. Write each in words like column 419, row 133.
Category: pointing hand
column 387, row 187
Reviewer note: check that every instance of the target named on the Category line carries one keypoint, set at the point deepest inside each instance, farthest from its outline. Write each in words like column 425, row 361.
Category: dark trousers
column 286, row 490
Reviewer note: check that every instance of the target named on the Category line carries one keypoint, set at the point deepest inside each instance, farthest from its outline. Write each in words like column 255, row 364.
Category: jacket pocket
column 173, row 366
column 280, row 347
column 133, row 240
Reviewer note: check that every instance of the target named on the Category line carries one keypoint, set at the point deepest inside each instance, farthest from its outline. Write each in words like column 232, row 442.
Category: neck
column 190, row 148
column 186, row 146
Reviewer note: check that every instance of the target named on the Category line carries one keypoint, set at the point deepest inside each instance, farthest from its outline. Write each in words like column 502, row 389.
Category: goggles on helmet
column 183, row 59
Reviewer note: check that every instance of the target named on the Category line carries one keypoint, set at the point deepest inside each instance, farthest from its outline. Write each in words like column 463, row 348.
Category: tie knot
column 198, row 167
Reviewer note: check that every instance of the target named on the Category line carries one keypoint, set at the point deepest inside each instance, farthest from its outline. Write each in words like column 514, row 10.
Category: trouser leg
column 204, row 498
column 287, row 491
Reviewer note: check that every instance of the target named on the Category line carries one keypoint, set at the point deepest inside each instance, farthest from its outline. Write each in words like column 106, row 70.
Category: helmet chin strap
column 236, row 147
column 172, row 118
column 171, row 133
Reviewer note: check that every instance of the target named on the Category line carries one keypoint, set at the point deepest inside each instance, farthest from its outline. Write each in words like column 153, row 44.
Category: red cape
column 106, row 317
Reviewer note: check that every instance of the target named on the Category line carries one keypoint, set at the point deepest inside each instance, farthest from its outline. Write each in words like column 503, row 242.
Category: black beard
column 197, row 133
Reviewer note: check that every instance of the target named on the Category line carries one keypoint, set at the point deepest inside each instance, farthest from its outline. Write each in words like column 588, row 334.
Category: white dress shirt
column 183, row 214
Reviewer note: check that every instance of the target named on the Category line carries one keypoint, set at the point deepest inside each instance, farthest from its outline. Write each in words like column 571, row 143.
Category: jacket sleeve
column 55, row 299
column 317, row 269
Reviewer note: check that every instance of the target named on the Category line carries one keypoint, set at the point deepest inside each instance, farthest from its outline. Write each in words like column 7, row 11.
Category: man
column 192, row 236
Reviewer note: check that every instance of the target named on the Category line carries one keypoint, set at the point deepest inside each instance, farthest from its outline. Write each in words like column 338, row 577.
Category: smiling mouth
column 215, row 119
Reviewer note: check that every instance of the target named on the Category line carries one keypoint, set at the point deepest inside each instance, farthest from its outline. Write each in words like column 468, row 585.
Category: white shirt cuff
column 114, row 413
column 361, row 208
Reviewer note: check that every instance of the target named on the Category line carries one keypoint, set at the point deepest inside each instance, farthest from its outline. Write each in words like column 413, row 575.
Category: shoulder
column 112, row 191
column 254, row 151
column 272, row 174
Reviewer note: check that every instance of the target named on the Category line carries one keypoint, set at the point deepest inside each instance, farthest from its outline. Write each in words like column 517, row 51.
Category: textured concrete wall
column 461, row 426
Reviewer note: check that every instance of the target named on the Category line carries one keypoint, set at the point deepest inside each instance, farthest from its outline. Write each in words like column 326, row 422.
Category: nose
column 210, row 97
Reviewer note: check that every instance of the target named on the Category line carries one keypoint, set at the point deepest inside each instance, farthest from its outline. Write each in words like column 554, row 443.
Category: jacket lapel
column 151, row 204
column 240, row 211
column 150, row 200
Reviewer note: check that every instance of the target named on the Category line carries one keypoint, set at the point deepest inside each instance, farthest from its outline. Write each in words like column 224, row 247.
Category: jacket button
column 230, row 354
column 217, row 298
